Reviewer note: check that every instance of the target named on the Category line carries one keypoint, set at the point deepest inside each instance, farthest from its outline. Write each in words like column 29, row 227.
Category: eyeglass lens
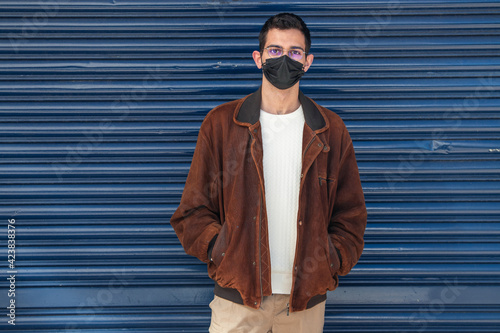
column 295, row 54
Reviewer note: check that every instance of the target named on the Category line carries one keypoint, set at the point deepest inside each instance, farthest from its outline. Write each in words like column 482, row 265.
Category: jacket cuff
column 211, row 247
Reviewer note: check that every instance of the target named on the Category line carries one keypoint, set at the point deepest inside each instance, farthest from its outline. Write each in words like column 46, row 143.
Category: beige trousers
column 273, row 316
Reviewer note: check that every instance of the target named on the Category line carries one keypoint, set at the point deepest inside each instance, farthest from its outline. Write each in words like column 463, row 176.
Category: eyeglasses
column 276, row 52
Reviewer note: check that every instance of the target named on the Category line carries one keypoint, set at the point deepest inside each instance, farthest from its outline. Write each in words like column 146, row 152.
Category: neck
column 277, row 101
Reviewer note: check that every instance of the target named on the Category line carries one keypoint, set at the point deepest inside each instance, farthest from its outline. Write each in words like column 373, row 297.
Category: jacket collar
column 249, row 111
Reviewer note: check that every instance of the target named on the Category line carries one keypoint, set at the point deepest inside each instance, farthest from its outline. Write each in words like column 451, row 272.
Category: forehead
column 286, row 38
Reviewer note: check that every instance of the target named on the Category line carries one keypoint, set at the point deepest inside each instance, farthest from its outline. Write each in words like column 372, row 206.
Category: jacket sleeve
column 197, row 221
column 348, row 221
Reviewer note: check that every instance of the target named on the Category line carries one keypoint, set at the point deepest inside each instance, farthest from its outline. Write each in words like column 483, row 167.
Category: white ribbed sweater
column 282, row 144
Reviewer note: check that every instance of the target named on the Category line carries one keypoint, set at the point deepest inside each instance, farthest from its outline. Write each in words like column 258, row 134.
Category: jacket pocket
column 334, row 260
column 220, row 246
column 326, row 181
column 330, row 184
column 328, row 190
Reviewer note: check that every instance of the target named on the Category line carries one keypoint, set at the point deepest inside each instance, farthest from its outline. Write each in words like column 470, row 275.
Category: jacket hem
column 234, row 296
column 230, row 294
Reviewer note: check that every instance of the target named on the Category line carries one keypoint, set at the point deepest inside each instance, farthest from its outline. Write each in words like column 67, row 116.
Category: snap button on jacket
column 222, row 219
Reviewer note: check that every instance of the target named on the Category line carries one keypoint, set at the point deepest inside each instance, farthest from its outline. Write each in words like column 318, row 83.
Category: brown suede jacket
column 222, row 216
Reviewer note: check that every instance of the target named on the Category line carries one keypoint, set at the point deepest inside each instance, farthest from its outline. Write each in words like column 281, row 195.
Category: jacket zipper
column 260, row 226
column 297, row 241
column 307, row 147
column 260, row 244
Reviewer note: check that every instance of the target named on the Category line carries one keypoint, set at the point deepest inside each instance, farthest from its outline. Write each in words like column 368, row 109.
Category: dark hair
column 284, row 21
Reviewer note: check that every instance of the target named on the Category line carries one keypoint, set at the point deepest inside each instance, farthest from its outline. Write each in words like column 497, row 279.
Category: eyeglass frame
column 304, row 53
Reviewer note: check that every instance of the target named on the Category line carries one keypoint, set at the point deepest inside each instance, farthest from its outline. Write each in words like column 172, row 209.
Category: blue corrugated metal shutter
column 100, row 104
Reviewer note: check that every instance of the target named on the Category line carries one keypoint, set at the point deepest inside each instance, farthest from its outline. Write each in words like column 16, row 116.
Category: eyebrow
column 291, row 48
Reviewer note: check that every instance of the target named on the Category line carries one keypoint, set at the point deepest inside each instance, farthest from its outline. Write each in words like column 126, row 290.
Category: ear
column 309, row 61
column 256, row 57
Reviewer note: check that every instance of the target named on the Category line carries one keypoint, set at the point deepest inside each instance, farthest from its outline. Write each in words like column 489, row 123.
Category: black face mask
column 283, row 72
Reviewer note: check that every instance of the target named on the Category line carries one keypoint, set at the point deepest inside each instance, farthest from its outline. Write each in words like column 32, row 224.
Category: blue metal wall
column 100, row 104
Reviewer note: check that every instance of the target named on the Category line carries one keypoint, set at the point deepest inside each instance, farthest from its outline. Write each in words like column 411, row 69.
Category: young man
column 273, row 201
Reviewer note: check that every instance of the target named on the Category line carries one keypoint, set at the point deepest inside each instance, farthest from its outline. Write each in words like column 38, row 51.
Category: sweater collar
column 249, row 111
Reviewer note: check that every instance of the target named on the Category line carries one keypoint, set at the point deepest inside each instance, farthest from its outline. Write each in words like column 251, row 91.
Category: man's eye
column 275, row 51
column 295, row 52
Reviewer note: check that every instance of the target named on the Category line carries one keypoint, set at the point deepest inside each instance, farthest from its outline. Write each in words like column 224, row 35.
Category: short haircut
column 284, row 21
